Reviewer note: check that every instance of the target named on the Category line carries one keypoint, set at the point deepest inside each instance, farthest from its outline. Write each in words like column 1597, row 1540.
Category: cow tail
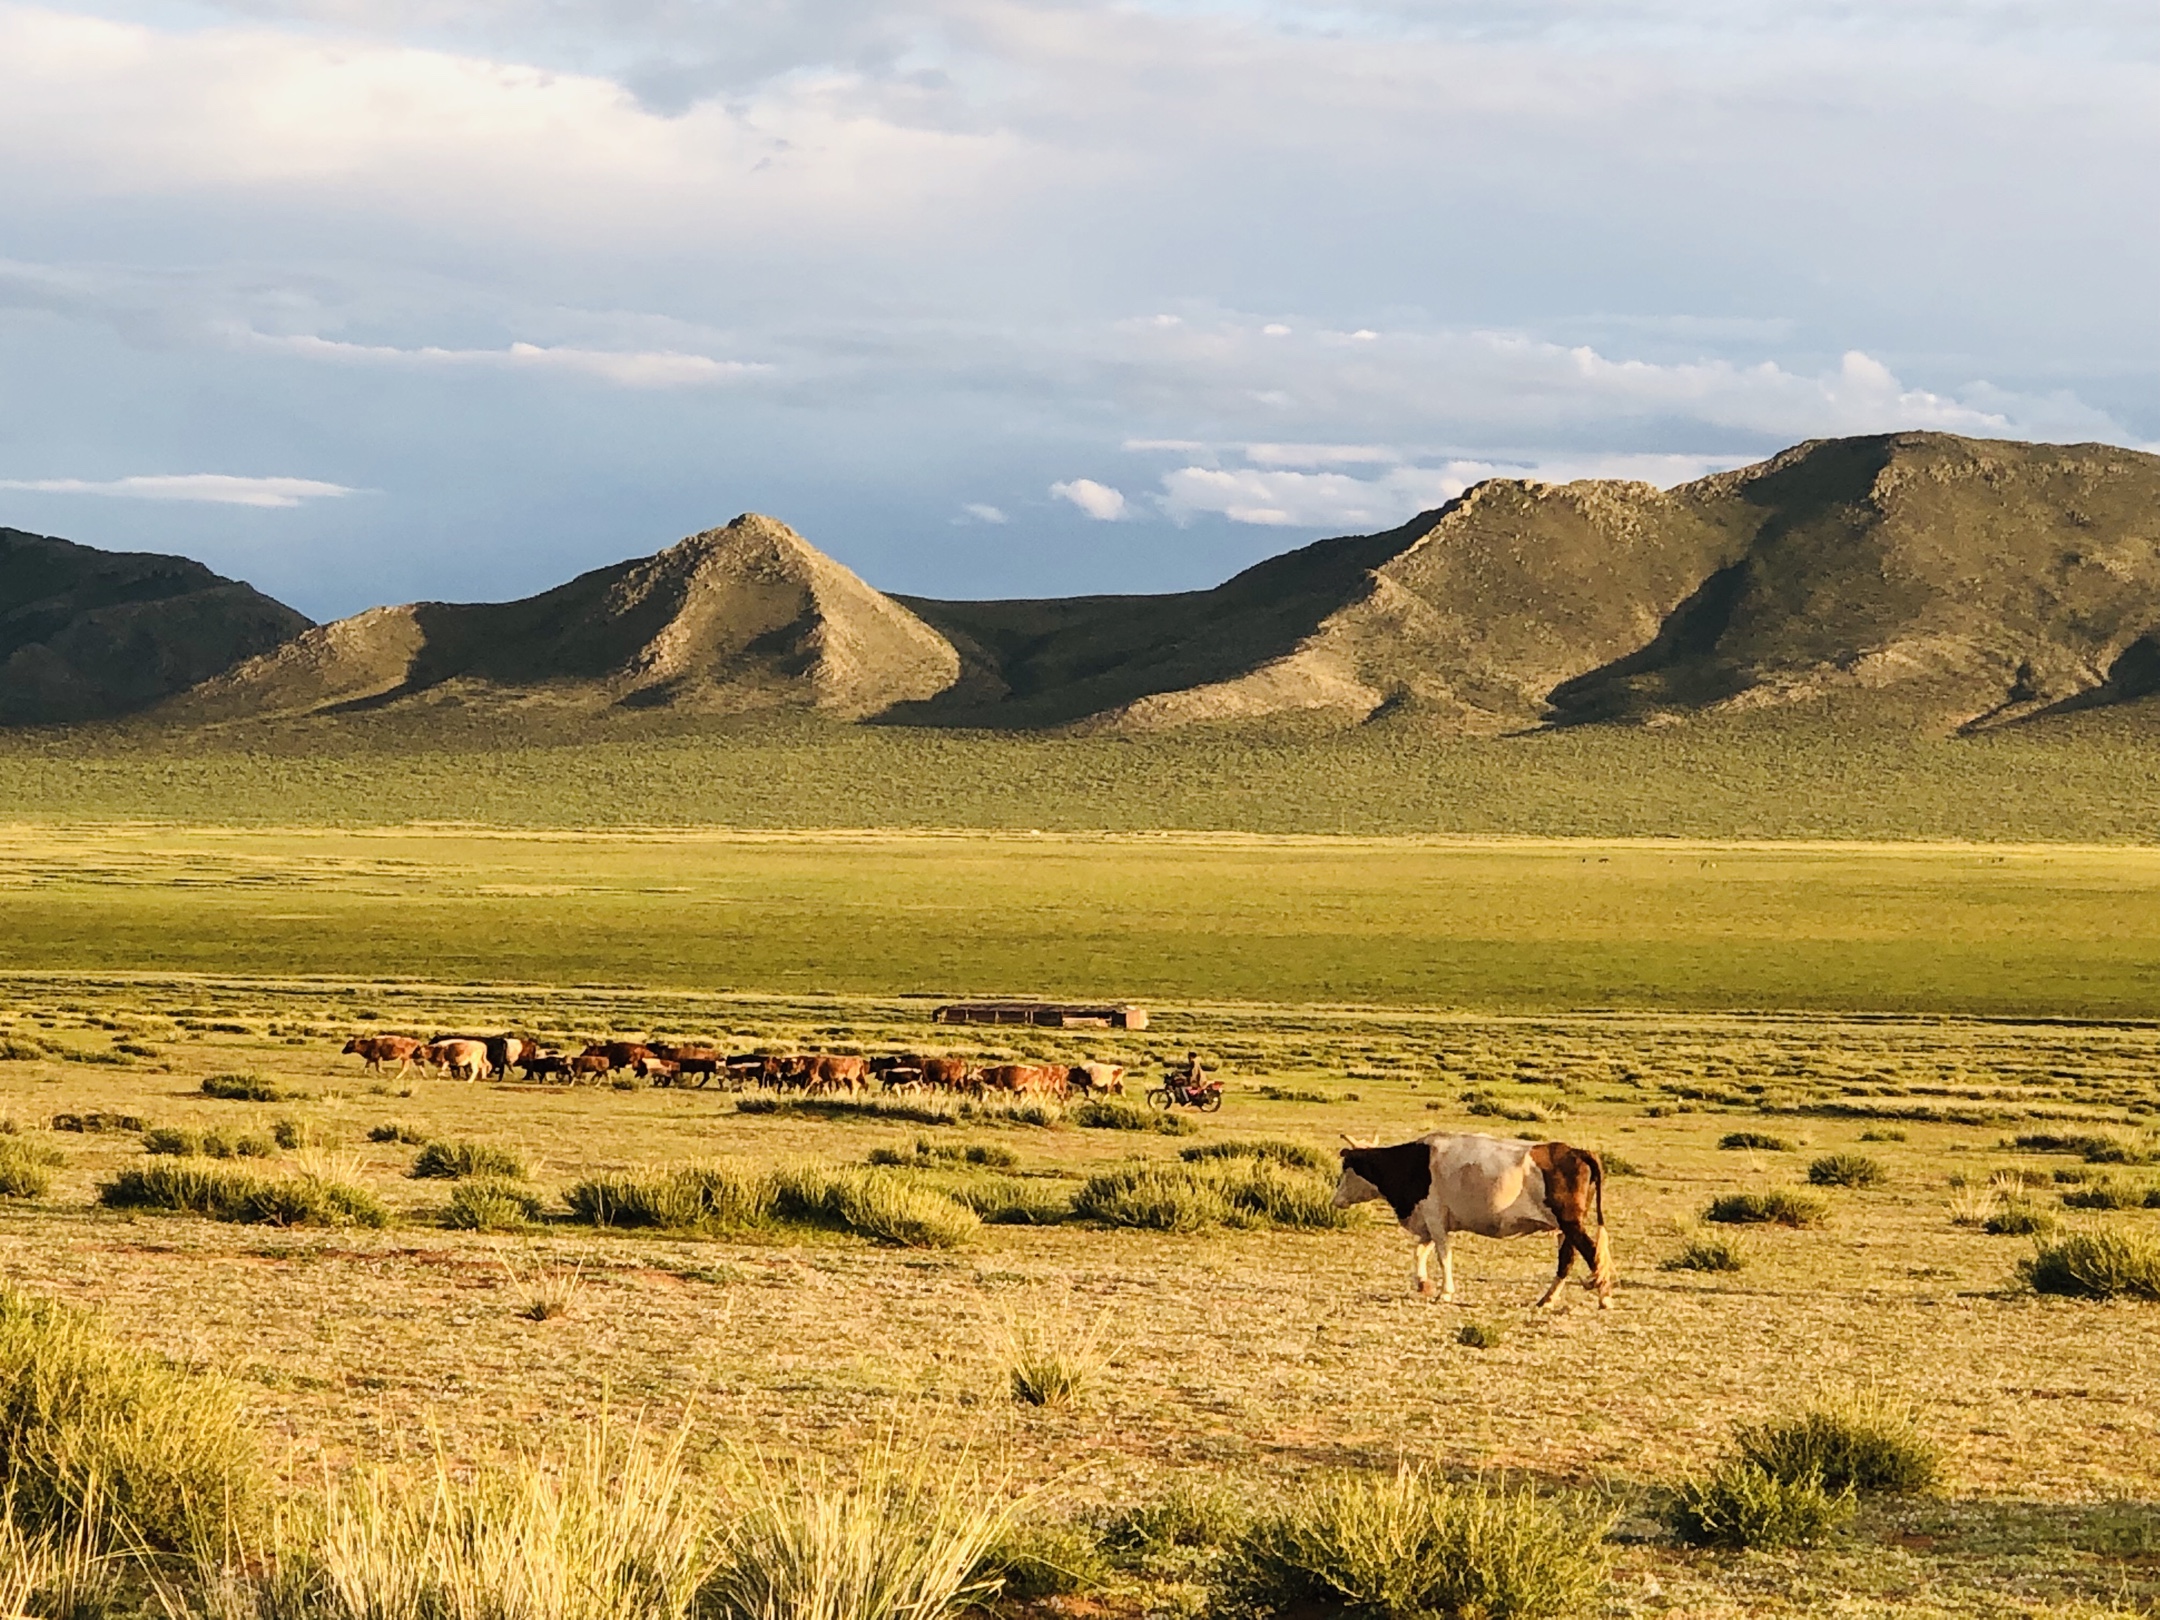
column 1600, row 1261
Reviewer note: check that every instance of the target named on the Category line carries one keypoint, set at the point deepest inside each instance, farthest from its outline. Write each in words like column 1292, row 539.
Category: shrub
column 1862, row 1443
column 1097, row 1115
column 390, row 1131
column 95, row 1122
column 713, row 1197
column 1743, row 1505
column 1050, row 1361
column 290, row 1133
column 989, row 1154
column 1183, row 1518
column 1412, row 1548
column 1291, row 1155
column 492, row 1204
column 1009, row 1201
column 1157, row 1198
column 1480, row 1335
column 113, row 1445
column 1707, row 1251
column 2018, row 1218
column 2092, row 1146
column 888, row 1209
column 25, row 1170
column 1262, row 1193
column 1782, row 1206
column 1033, row 1562
column 1618, row 1164
column 447, row 1161
column 897, row 1544
column 1882, row 1136
column 1845, row 1170
column 2106, row 1195
column 241, row 1088
column 239, row 1195
column 1760, row 1141
column 873, row 1204
column 2102, row 1263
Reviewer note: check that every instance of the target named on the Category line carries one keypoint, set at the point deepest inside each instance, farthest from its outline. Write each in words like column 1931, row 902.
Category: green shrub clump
column 1033, row 1562
column 1480, row 1335
column 1863, row 1443
column 391, row 1131
column 1760, row 1141
column 25, row 1170
column 2018, row 1217
column 1846, row 1170
column 1782, row 1206
column 448, row 1161
column 1010, row 1201
column 241, row 1088
column 1744, row 1505
column 1707, row 1251
column 493, row 1204
column 1098, row 1115
column 1194, row 1197
column 2108, row 1194
column 2104, row 1263
column 182, row 1142
column 112, row 1445
column 1413, row 1548
column 1290, row 1155
column 875, row 1204
column 243, row 1196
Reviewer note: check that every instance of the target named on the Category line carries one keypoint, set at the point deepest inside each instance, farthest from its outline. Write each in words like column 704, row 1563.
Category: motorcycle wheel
column 1211, row 1103
column 1159, row 1098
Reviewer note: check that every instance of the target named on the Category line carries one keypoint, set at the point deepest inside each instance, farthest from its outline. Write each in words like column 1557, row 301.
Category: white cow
column 1496, row 1187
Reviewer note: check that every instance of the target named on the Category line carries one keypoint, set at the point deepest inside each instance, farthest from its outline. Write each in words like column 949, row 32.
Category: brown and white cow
column 1493, row 1186
column 1090, row 1079
column 1025, row 1078
column 381, row 1049
column 465, row 1060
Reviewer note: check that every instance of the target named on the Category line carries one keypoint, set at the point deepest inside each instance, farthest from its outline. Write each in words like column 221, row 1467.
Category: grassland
column 1254, row 1358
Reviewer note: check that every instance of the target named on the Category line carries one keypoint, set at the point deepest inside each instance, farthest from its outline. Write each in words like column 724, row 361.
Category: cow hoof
column 1604, row 1302
column 1426, row 1289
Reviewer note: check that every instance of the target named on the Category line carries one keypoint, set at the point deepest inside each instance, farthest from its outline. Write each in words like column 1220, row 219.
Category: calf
column 1447, row 1183
column 540, row 1064
column 381, row 1049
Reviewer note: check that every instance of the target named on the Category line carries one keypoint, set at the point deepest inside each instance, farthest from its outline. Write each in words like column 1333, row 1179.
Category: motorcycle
column 1177, row 1091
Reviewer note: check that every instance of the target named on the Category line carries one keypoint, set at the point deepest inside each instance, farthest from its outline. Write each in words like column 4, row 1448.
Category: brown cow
column 1048, row 1079
column 540, row 1062
column 659, row 1070
column 381, row 1049
column 588, row 1063
column 702, row 1064
column 619, row 1054
column 834, row 1071
column 463, row 1059
column 1494, row 1186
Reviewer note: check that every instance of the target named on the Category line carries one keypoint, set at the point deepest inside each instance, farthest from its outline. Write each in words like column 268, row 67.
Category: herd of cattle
column 664, row 1063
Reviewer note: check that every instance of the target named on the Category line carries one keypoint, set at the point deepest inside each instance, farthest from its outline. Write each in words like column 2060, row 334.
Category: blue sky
column 373, row 300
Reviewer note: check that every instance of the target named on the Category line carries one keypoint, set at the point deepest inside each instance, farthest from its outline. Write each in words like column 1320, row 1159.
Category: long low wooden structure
column 1043, row 1014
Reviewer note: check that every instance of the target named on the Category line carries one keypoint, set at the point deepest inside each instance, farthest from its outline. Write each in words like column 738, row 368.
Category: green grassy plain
column 1246, row 1359
column 1494, row 924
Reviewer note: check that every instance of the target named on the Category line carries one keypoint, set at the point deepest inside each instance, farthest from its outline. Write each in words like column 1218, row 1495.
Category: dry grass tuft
column 2100, row 1263
column 1052, row 1358
column 1781, row 1206
column 1707, row 1251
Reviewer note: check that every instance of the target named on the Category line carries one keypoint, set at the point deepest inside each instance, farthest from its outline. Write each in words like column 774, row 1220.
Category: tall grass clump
column 2107, row 1194
column 1010, row 1201
column 112, row 1446
column 609, row 1532
column 1030, row 1562
column 1864, row 1442
column 193, row 1188
column 1707, row 1251
column 1781, row 1206
column 1051, row 1358
column 899, row 1542
column 1758, row 1141
column 1846, row 1170
column 1744, row 1505
column 178, row 1141
column 1290, row 1155
column 25, row 1169
column 2099, row 1263
column 1098, row 1115
column 493, row 1204
column 710, row 1197
column 876, row 1204
column 1414, row 1548
column 1194, row 1197
column 241, row 1088
column 448, row 1161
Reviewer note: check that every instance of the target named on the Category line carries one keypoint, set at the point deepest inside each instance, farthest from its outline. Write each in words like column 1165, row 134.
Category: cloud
column 984, row 513
column 220, row 489
column 1098, row 501
column 661, row 368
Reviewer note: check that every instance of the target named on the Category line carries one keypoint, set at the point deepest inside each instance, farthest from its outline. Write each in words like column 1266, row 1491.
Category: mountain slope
column 745, row 617
column 86, row 634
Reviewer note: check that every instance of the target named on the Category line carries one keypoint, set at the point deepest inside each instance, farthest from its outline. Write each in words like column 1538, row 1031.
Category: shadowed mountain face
column 745, row 617
column 1923, row 580
column 86, row 634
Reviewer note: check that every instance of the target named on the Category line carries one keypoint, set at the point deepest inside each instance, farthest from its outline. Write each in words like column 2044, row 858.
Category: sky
column 383, row 300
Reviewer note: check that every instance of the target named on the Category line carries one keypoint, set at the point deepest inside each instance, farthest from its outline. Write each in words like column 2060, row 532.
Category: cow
column 1052, row 1079
column 464, row 1059
column 381, row 1049
column 593, row 1063
column 1496, row 1187
column 834, row 1071
column 659, row 1070
column 619, row 1054
column 1090, row 1078
column 504, row 1051
column 541, row 1062
column 702, row 1064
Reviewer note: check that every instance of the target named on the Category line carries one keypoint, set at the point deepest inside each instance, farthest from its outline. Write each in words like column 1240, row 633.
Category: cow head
column 352, row 1046
column 1354, row 1187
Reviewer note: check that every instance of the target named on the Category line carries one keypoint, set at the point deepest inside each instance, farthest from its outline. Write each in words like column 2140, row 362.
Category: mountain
column 1916, row 579
column 746, row 617
column 1937, row 581
column 86, row 634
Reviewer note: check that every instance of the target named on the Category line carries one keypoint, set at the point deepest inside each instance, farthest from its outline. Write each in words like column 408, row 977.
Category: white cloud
column 218, row 488
column 1098, row 501
column 661, row 368
column 981, row 512
column 1318, row 455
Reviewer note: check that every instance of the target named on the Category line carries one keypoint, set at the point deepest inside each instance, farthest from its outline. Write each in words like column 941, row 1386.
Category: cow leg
column 1566, row 1264
column 1424, row 1275
column 1445, row 1243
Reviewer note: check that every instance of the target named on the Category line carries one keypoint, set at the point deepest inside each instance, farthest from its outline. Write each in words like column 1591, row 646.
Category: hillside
column 745, row 617
column 87, row 634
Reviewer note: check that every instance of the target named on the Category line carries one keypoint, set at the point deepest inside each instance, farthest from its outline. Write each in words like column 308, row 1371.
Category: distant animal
column 1090, row 1078
column 702, row 1064
column 1496, row 1187
column 619, row 1054
column 540, row 1062
column 659, row 1070
column 834, row 1071
column 464, row 1059
column 676, row 1051
column 504, row 1051
column 1048, row 1079
column 381, row 1049
column 955, row 1074
column 594, row 1063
